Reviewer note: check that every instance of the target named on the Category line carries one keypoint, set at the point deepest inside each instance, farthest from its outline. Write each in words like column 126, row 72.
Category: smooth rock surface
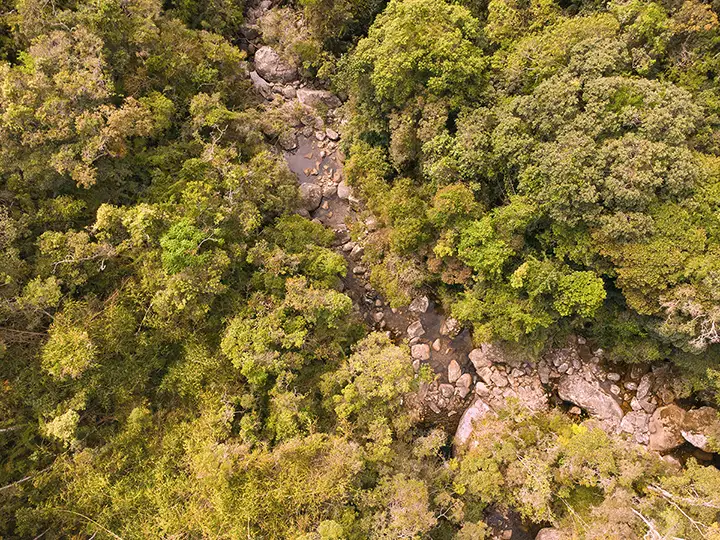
column 701, row 428
column 421, row 351
column 311, row 195
column 472, row 414
column 665, row 428
column 591, row 397
column 454, row 371
column 344, row 191
column 272, row 68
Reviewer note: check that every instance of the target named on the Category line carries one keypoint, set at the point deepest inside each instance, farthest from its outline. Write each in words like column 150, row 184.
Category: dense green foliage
column 177, row 358
column 552, row 169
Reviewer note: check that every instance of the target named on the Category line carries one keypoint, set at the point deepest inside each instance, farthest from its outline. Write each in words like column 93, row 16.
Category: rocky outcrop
column 463, row 434
column 665, row 428
column 671, row 426
column 588, row 395
column 271, row 67
column 701, row 428
column 486, row 355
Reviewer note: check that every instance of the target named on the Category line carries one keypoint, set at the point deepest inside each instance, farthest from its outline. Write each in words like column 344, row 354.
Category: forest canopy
column 179, row 354
column 559, row 170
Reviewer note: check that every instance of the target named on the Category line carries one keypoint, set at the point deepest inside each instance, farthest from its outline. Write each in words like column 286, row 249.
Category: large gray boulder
column 318, row 98
column 665, row 428
column 272, row 67
column 701, row 428
column 590, row 396
column 472, row 414
column 311, row 195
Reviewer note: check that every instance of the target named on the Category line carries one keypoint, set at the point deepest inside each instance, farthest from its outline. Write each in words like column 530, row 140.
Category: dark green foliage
column 577, row 172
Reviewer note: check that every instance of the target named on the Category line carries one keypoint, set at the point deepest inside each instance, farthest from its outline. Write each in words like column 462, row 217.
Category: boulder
column 548, row 533
column 701, row 428
column 636, row 423
column 645, row 386
column 450, row 327
column 477, row 410
column 332, row 134
column 249, row 32
column 329, row 190
column 665, row 428
column 261, row 85
column 315, row 98
column 288, row 92
column 447, row 390
column 498, row 379
column 311, row 195
column 454, row 371
column 415, row 330
column 273, row 68
column 287, row 140
column 463, row 385
column 421, row 351
column 420, row 304
column 343, row 191
column 591, row 397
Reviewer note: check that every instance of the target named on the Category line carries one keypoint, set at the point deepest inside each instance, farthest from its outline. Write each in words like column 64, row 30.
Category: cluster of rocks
column 671, row 426
column 622, row 400
column 325, row 180
column 448, row 391
column 503, row 376
column 278, row 80
column 638, row 400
